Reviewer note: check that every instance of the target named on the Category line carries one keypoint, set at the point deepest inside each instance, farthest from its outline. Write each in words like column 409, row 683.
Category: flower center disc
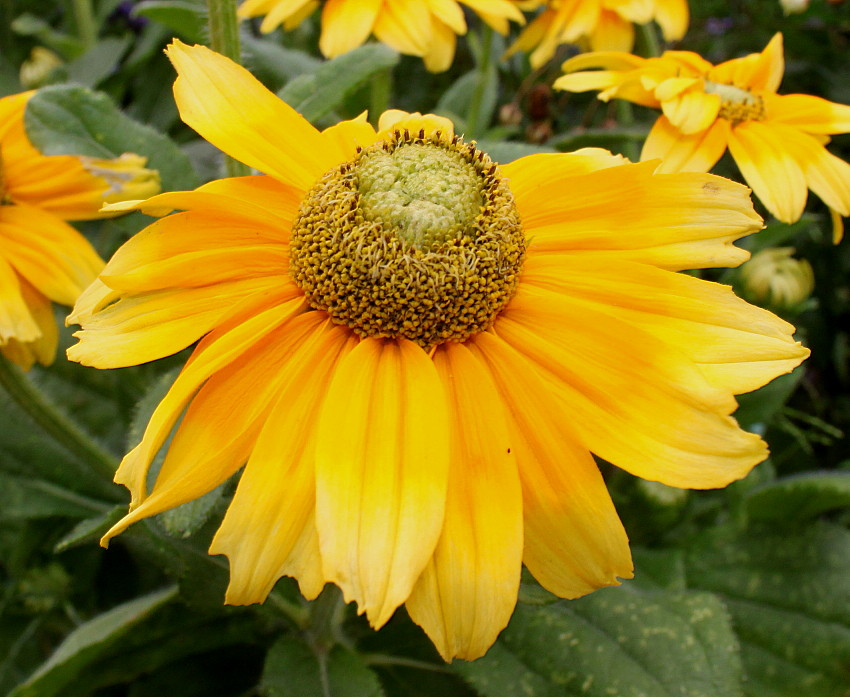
column 417, row 237
column 737, row 105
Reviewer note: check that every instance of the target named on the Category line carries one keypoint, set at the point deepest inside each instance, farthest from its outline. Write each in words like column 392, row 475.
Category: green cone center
column 417, row 237
column 425, row 193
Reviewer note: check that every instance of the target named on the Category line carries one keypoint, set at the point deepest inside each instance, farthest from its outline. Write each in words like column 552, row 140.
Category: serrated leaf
column 87, row 642
column 293, row 670
column 799, row 497
column 789, row 597
column 334, row 80
column 71, row 120
column 617, row 642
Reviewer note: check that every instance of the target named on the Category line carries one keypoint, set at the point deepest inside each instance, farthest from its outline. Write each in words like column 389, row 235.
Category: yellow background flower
column 776, row 140
column 42, row 258
column 426, row 28
column 415, row 470
column 604, row 25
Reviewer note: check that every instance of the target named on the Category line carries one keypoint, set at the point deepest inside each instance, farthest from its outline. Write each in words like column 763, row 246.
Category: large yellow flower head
column 414, row 351
column 426, row 28
column 42, row 258
column 604, row 25
column 776, row 140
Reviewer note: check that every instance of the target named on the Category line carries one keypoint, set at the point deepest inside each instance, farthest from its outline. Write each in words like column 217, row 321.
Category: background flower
column 42, row 258
column 603, row 25
column 426, row 28
column 776, row 140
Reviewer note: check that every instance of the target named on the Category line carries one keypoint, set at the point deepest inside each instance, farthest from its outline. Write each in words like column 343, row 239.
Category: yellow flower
column 416, row 350
column 776, row 140
column 42, row 258
column 606, row 25
column 426, row 28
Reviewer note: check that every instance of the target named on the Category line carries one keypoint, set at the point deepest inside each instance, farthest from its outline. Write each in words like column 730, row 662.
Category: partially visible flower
column 790, row 7
column 42, row 258
column 604, row 25
column 426, row 28
column 36, row 70
column 413, row 351
column 774, row 278
column 776, row 140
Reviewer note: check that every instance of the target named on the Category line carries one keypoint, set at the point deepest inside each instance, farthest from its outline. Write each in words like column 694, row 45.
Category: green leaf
column 70, row 120
column 90, row 529
column 294, row 670
column 26, row 498
column 317, row 94
column 800, row 497
column 617, row 642
column 789, row 597
column 757, row 409
column 88, row 642
column 186, row 18
column 274, row 64
column 506, row 151
column 458, row 98
column 99, row 62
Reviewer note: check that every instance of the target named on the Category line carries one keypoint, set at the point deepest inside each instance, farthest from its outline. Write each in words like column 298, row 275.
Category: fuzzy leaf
column 69, row 120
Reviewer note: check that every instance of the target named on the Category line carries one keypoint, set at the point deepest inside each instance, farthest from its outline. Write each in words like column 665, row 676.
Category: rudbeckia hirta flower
column 604, row 25
column 42, row 258
column 426, row 28
column 414, row 351
column 776, row 140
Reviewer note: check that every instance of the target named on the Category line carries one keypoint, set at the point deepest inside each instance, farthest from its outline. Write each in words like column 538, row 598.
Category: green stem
column 53, row 421
column 473, row 114
column 224, row 39
column 650, row 45
column 379, row 98
column 626, row 118
column 86, row 26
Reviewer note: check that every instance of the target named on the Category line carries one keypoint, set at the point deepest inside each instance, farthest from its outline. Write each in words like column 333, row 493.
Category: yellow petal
column 193, row 249
column 697, row 152
column 673, row 17
column 269, row 529
column 774, row 175
column 574, row 541
column 808, row 113
column 48, row 252
column 449, row 13
column 381, row 472
column 439, row 56
column 347, row 25
column 136, row 329
column 405, row 25
column 612, row 33
column 397, row 120
column 226, row 353
column 226, row 105
column 466, row 595
column 348, row 136
column 16, row 320
column 693, row 111
column 826, row 175
column 676, row 221
column 258, row 198
column 635, row 401
column 738, row 346
column 41, row 349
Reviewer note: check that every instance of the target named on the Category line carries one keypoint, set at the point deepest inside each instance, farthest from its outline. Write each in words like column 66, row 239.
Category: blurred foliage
column 744, row 591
